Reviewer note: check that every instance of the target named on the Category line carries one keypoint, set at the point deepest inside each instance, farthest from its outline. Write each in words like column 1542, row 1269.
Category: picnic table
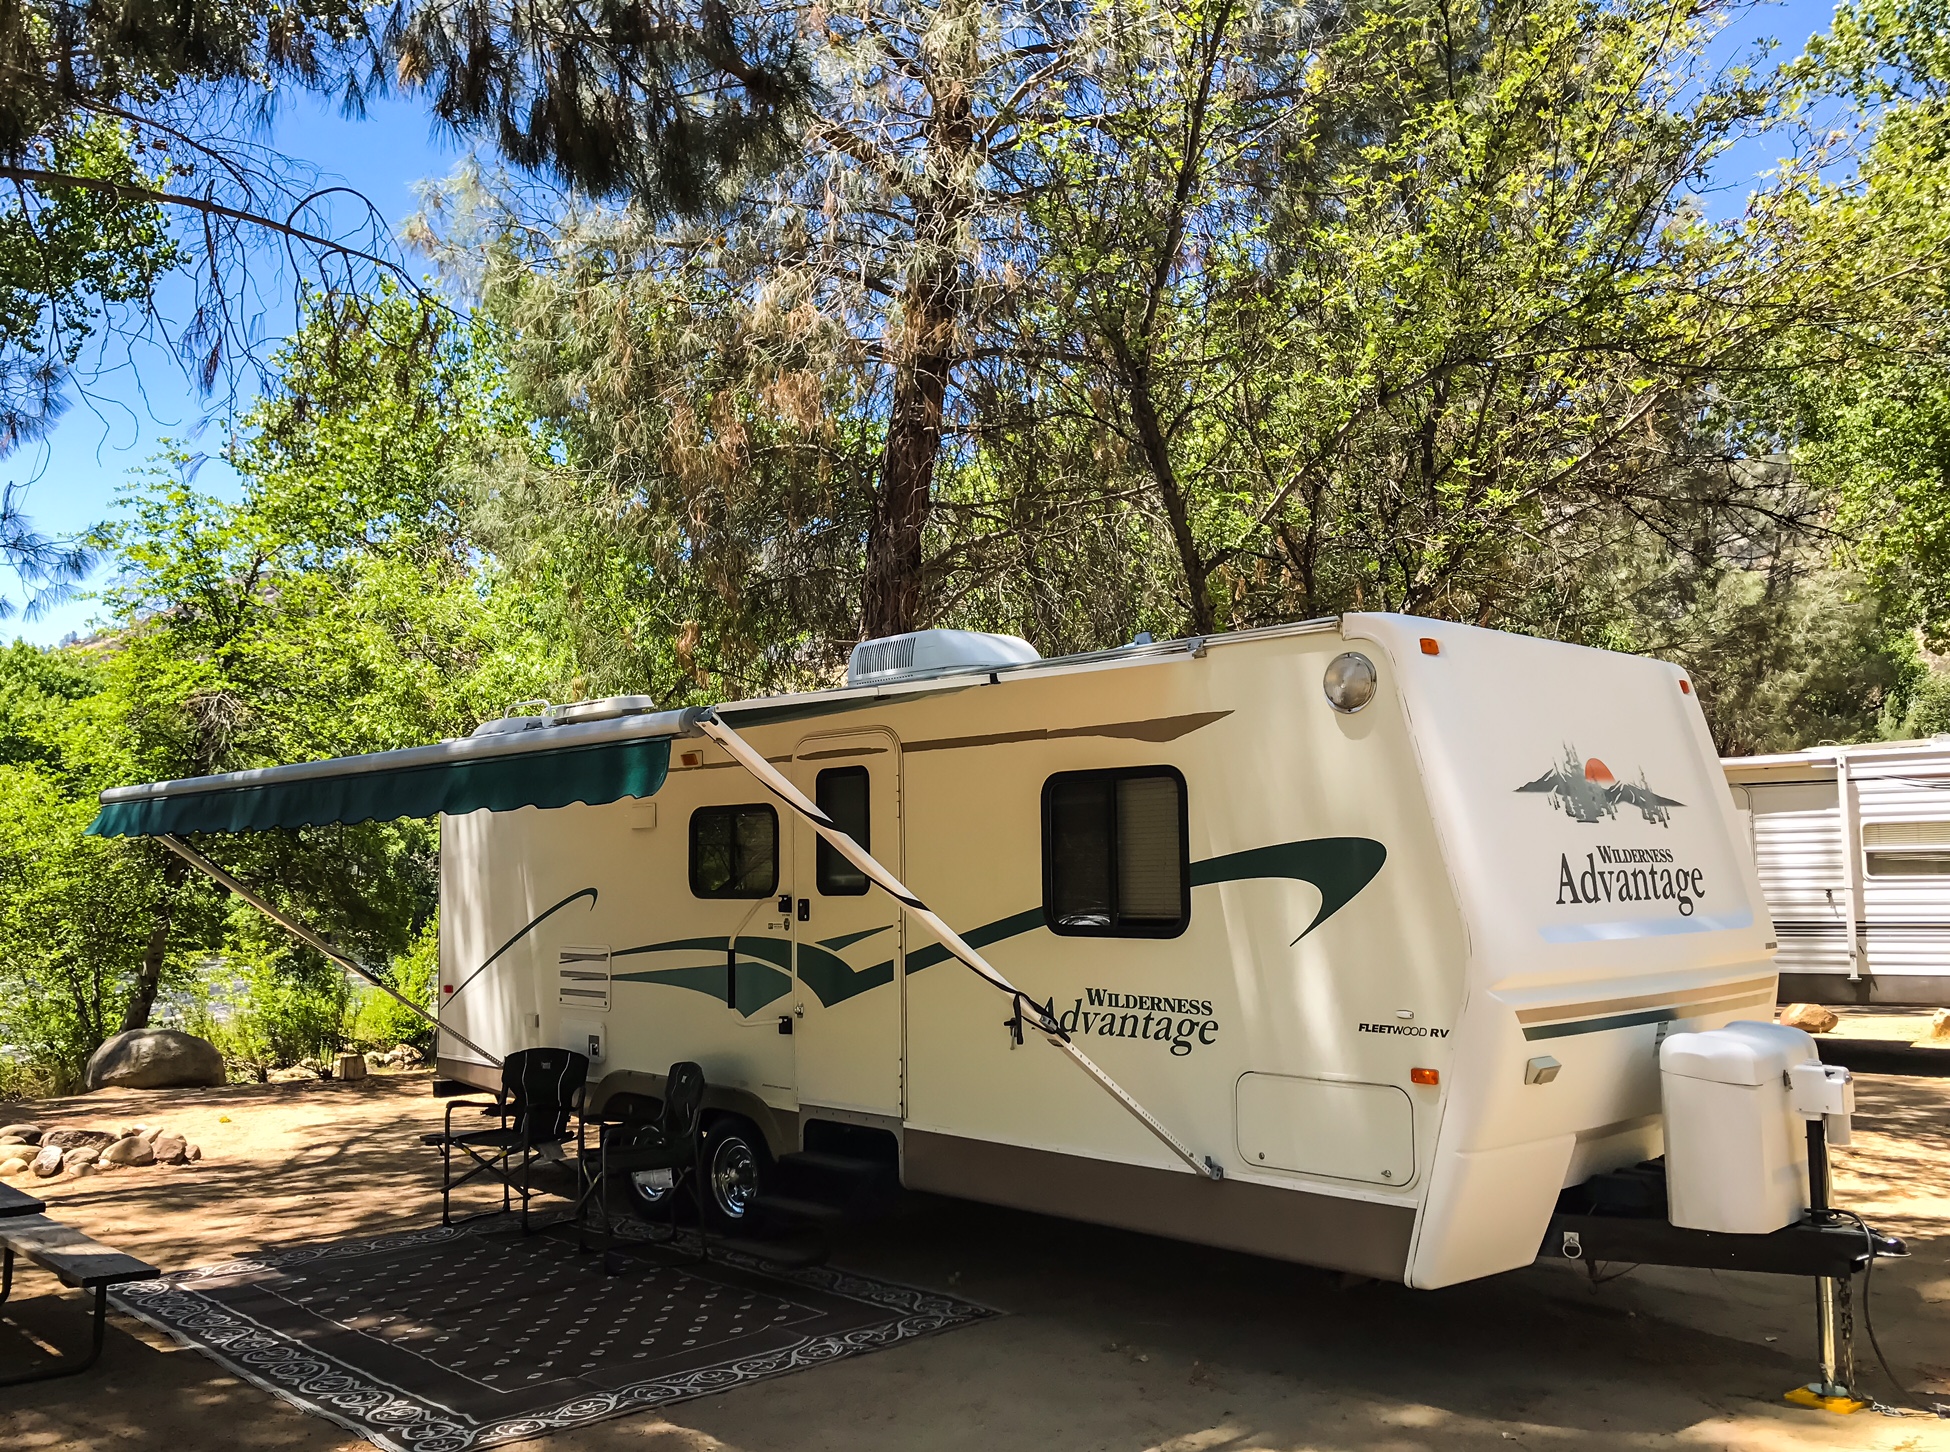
column 70, row 1257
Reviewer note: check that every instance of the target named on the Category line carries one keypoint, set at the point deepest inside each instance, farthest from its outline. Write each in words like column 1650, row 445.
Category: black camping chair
column 671, row 1143
column 541, row 1094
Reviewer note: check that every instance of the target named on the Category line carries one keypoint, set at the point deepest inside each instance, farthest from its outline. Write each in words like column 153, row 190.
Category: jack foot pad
column 1811, row 1396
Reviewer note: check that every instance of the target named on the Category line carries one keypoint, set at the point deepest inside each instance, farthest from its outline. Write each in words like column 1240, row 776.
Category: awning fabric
column 457, row 777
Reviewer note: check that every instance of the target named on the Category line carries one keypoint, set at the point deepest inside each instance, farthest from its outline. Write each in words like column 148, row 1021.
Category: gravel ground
column 1113, row 1340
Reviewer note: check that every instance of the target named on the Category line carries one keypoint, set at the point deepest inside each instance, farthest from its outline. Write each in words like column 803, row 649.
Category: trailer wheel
column 736, row 1165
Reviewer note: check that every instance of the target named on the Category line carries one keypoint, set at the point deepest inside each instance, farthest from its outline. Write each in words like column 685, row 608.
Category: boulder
column 134, row 1150
column 1809, row 1017
column 20, row 1134
column 84, row 1169
column 74, row 1159
column 350, row 1067
column 1939, row 1031
column 170, row 1148
column 47, row 1163
column 154, row 1059
column 76, row 1138
column 11, row 1166
column 194, row 1153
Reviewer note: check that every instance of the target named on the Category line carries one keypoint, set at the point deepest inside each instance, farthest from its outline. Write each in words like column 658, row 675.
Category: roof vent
column 934, row 652
column 606, row 709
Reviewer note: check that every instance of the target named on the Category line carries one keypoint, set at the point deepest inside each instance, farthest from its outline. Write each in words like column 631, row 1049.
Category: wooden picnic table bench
column 70, row 1257
column 18, row 1202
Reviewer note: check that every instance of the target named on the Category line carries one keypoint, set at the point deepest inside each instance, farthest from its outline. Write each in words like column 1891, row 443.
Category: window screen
column 842, row 794
column 1114, row 859
column 734, row 851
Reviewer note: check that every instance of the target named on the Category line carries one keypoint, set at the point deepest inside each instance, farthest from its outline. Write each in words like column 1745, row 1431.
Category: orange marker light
column 1685, row 687
column 1430, row 646
column 690, row 758
column 1424, row 1076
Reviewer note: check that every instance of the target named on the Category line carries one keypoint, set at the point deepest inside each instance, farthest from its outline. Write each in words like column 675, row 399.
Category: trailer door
column 847, row 933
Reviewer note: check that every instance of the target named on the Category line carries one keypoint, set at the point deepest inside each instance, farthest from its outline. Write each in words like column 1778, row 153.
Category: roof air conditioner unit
column 934, row 652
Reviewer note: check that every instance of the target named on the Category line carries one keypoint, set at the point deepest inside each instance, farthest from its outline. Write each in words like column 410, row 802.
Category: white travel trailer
column 1852, row 844
column 1371, row 926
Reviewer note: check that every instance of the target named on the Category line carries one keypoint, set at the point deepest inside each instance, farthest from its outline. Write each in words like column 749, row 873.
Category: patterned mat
column 454, row 1338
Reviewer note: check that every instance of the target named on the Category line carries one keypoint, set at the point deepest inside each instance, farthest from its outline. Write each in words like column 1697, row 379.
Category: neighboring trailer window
column 841, row 792
column 734, row 851
column 1114, row 857
column 1909, row 864
column 1907, row 849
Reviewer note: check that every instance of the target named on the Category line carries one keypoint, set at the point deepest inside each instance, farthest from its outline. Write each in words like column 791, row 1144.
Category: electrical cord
column 1935, row 1409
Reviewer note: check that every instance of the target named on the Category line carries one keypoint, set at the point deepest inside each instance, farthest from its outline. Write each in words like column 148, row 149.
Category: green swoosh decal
column 847, row 940
column 1340, row 867
column 759, row 983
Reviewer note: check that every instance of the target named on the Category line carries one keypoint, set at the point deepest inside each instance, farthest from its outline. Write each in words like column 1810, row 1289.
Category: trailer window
column 1114, row 858
column 842, row 795
column 734, row 851
column 1907, row 849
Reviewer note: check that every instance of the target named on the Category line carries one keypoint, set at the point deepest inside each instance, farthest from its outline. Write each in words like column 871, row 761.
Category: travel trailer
column 1852, row 844
column 1350, row 942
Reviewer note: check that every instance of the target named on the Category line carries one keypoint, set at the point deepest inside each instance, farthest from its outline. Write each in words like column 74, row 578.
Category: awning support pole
column 312, row 940
column 1028, row 1010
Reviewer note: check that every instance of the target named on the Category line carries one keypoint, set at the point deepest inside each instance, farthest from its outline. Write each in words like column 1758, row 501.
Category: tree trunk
column 891, row 596
column 890, row 600
column 1157, row 455
column 149, row 976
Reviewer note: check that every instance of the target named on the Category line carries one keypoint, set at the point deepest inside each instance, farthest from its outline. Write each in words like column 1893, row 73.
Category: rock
column 11, row 1167
column 170, row 1148
column 134, row 1150
column 74, row 1159
column 20, row 1134
column 350, row 1067
column 47, row 1163
column 409, row 1057
column 154, row 1059
column 1939, row 1031
column 77, row 1138
column 194, row 1153
column 294, row 1075
column 1809, row 1017
column 84, row 1169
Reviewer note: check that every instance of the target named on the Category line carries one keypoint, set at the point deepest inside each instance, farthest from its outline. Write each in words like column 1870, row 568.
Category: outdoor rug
column 469, row 1336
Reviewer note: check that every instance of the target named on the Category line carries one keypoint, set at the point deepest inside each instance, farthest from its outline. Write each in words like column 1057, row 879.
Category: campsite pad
column 472, row 1336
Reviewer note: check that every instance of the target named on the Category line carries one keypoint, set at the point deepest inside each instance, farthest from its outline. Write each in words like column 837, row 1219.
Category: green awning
column 540, row 768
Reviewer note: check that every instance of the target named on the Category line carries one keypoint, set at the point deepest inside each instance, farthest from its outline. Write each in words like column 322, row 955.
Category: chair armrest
column 486, row 1107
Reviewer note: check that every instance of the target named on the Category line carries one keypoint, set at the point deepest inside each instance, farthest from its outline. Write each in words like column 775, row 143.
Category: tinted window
column 842, row 794
column 734, row 851
column 1114, row 857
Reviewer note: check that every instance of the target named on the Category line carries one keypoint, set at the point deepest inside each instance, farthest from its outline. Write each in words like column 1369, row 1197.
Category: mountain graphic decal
column 1587, row 791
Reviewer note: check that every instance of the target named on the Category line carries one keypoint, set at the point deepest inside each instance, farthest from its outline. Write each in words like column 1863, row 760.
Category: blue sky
column 144, row 398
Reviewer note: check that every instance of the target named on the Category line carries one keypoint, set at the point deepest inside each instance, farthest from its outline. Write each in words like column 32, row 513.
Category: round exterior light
column 1350, row 682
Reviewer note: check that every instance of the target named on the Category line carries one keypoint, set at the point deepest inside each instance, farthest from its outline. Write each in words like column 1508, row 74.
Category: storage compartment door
column 1327, row 1127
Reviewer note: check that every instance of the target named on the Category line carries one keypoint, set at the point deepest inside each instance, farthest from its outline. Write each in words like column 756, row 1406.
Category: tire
column 736, row 1168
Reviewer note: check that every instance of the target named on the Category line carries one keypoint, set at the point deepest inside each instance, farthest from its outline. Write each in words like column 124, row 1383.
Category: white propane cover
column 1736, row 1151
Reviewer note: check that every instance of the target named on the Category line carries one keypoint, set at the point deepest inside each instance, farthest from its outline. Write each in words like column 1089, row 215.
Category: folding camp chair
column 541, row 1091
column 633, row 1146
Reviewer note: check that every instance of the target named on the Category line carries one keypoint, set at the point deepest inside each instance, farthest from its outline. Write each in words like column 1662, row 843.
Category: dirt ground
column 1112, row 1341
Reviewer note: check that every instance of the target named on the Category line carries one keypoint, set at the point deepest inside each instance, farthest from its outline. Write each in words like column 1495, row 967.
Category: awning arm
column 1029, row 1011
column 313, row 940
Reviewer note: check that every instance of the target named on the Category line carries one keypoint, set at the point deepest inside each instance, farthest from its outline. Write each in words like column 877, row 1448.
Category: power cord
column 1935, row 1409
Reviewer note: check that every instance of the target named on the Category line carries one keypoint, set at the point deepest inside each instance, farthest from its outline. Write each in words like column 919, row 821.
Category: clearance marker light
column 1685, row 686
column 1430, row 646
column 1424, row 1076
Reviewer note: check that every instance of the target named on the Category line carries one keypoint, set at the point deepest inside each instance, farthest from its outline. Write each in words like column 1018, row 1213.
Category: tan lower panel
column 1325, row 1230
